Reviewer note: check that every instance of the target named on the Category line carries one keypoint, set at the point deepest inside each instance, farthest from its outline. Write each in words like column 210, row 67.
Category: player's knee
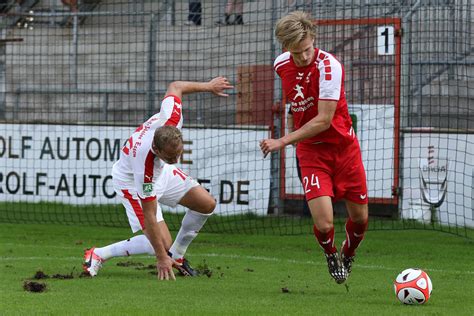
column 360, row 217
column 211, row 206
column 208, row 206
column 325, row 227
column 364, row 218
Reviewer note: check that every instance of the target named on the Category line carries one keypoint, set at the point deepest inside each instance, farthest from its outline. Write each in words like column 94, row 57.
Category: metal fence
column 109, row 62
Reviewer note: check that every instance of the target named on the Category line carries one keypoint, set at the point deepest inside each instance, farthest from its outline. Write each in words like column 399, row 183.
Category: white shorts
column 170, row 188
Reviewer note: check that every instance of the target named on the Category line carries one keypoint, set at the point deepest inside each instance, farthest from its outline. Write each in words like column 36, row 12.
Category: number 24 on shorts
column 311, row 183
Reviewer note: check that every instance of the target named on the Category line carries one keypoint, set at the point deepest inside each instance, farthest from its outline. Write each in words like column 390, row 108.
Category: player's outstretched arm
column 165, row 263
column 216, row 86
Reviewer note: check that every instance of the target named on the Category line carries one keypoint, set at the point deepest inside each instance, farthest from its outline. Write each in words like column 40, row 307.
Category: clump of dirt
column 63, row 276
column 285, row 290
column 40, row 275
column 33, row 286
column 203, row 269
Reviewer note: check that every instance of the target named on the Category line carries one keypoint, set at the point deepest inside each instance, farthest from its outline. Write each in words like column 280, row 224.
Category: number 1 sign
column 385, row 40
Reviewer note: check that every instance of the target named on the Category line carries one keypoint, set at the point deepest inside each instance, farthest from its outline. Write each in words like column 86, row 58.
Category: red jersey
column 323, row 79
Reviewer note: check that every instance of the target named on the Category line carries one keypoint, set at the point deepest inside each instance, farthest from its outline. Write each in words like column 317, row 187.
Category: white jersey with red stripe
column 322, row 79
column 138, row 163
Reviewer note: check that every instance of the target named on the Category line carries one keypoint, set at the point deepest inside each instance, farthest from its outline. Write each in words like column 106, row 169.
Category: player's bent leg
column 199, row 200
column 356, row 225
column 201, row 205
column 322, row 213
column 95, row 257
column 184, row 190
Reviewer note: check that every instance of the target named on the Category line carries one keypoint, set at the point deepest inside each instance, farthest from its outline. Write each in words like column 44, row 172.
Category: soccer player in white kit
column 145, row 175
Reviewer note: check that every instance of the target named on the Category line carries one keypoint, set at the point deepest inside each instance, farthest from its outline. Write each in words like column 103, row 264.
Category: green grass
column 248, row 274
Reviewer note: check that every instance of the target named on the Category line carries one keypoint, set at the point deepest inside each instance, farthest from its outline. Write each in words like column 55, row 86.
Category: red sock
column 354, row 236
column 326, row 240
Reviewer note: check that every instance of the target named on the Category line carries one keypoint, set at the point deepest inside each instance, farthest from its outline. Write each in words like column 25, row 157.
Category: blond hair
column 291, row 29
column 167, row 136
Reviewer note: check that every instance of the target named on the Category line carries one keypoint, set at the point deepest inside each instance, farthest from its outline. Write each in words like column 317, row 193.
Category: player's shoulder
column 324, row 58
column 281, row 60
column 171, row 99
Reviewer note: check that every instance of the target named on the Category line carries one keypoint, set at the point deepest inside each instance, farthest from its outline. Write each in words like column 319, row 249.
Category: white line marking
column 368, row 267
column 12, row 244
column 255, row 258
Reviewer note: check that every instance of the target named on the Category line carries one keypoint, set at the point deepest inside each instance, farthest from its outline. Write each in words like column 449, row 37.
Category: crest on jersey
column 299, row 92
column 147, row 189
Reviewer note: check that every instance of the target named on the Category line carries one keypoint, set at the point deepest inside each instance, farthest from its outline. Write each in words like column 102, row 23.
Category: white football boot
column 92, row 262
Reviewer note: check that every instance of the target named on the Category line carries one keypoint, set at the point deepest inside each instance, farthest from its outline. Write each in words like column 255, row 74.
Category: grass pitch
column 247, row 275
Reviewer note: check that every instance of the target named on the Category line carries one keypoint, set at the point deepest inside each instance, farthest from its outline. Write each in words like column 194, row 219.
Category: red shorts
column 333, row 170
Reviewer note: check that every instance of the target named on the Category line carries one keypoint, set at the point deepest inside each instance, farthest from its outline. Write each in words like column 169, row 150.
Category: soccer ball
column 413, row 287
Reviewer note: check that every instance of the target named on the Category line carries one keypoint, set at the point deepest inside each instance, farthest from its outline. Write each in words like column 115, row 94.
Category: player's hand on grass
column 270, row 145
column 164, row 267
column 218, row 85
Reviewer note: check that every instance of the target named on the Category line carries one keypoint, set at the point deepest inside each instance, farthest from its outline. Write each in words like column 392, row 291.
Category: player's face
column 170, row 154
column 303, row 53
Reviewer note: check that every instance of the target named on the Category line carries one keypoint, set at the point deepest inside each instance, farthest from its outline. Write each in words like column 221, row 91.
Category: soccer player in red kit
column 327, row 147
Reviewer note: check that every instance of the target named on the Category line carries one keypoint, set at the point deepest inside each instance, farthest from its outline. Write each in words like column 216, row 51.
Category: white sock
column 190, row 227
column 133, row 246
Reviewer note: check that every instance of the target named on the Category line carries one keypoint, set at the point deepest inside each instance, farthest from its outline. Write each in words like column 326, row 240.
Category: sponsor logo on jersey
column 135, row 148
column 303, row 105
